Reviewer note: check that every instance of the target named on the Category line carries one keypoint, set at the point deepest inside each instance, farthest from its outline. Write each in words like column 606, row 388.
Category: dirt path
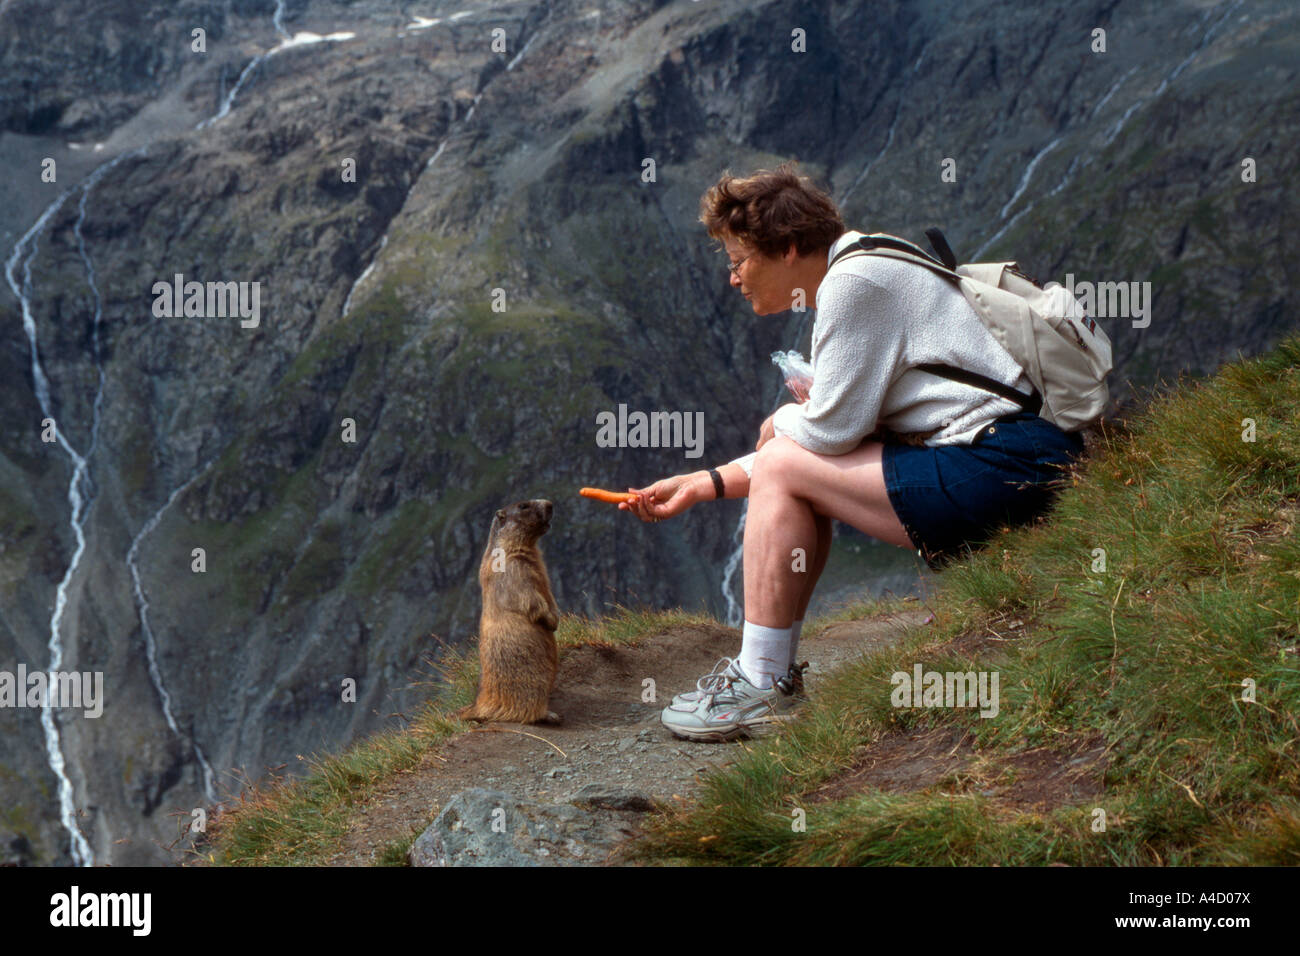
column 609, row 735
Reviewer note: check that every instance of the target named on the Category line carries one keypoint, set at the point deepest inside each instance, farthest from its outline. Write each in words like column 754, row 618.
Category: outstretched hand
column 666, row 498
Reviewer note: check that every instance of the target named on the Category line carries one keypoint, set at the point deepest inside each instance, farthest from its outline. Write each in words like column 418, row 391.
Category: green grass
column 301, row 822
column 1200, row 591
column 394, row 853
column 625, row 626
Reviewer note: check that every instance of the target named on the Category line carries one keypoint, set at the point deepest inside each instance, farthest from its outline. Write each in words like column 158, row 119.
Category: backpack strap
column 1033, row 402
column 890, row 247
column 941, row 247
column 869, row 244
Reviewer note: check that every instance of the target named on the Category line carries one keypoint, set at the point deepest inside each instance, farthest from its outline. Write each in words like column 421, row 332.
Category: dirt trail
column 609, row 735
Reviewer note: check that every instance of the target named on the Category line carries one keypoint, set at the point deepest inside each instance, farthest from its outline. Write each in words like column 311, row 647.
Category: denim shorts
column 952, row 496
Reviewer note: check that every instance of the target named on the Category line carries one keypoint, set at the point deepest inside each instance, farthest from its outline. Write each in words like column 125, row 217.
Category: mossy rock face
column 321, row 566
column 20, row 827
column 16, row 519
column 405, row 533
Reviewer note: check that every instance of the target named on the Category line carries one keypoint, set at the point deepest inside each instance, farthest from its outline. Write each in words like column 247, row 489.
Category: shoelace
column 717, row 680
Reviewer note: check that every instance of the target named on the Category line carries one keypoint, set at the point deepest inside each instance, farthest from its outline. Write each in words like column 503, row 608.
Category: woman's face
column 761, row 279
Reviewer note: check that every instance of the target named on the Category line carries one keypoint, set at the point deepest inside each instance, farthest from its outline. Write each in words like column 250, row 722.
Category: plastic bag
column 797, row 372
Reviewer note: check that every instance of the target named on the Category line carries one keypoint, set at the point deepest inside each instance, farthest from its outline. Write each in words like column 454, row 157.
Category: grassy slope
column 1200, row 590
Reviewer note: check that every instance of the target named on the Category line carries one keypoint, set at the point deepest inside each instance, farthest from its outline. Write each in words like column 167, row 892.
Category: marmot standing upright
column 518, row 659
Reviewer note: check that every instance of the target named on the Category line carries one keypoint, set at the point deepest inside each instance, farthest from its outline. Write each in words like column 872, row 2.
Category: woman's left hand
column 766, row 433
column 666, row 498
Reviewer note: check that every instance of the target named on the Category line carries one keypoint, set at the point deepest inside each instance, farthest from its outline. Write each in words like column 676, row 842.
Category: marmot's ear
column 501, row 513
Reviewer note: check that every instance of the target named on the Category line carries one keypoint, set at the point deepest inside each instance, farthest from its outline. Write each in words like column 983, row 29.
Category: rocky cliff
column 462, row 255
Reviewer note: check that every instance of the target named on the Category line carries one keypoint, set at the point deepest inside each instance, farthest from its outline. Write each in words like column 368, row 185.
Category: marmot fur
column 518, row 659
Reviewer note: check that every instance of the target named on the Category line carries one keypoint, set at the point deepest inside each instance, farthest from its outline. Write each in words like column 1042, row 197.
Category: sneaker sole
column 754, row 728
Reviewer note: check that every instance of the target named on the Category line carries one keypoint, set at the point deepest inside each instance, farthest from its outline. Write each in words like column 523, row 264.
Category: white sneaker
column 726, row 705
column 793, row 681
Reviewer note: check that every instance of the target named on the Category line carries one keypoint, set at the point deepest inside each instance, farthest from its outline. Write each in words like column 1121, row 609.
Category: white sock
column 764, row 653
column 794, row 642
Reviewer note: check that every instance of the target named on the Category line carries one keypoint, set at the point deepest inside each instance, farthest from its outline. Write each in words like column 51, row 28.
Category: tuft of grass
column 394, row 853
column 1163, row 579
column 301, row 822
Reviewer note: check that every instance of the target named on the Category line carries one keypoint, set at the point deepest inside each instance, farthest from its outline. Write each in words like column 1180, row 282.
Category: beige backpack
column 1044, row 328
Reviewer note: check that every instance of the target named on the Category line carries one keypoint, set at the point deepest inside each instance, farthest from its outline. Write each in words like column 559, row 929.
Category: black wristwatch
column 720, row 490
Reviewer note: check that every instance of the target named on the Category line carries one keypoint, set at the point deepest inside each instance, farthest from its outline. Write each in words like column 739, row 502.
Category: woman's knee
column 778, row 459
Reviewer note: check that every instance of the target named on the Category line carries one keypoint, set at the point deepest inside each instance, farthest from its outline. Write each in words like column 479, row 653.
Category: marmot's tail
column 469, row 713
column 508, row 711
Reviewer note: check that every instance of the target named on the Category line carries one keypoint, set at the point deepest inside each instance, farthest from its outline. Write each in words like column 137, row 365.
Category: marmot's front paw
column 551, row 718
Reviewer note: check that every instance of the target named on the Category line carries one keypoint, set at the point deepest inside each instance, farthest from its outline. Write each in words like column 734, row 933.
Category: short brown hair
column 771, row 209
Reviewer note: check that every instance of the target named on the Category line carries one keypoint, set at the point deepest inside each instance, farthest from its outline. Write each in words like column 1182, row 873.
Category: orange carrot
column 613, row 497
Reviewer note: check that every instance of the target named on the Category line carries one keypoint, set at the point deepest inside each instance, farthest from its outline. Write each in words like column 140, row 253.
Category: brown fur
column 518, row 659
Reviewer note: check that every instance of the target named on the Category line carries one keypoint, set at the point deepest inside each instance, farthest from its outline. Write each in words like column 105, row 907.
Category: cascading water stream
column 79, row 498
column 150, row 645
column 78, row 494
column 422, row 23
column 1114, row 131
column 889, row 138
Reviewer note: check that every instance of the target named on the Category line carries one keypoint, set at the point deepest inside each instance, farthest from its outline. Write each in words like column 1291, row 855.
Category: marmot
column 518, row 658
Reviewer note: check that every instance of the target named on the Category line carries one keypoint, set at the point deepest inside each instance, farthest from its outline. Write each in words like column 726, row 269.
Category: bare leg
column 791, row 487
column 824, row 538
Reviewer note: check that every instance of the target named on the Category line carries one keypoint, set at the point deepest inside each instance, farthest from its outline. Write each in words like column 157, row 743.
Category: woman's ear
column 501, row 514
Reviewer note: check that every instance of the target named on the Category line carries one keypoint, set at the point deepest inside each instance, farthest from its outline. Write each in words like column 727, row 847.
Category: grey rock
column 525, row 833
column 608, row 797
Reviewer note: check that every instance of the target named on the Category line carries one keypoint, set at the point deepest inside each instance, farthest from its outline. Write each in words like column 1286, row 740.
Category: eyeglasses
column 734, row 267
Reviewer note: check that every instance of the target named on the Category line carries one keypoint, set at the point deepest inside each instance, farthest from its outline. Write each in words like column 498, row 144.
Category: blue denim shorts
column 954, row 496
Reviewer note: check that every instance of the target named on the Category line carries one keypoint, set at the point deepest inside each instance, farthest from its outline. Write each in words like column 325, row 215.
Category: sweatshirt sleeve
column 746, row 462
column 857, row 345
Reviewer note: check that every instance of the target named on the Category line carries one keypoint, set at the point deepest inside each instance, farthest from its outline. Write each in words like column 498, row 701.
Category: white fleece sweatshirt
column 876, row 320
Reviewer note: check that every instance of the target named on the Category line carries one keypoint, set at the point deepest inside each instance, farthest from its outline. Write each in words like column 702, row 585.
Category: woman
column 976, row 460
